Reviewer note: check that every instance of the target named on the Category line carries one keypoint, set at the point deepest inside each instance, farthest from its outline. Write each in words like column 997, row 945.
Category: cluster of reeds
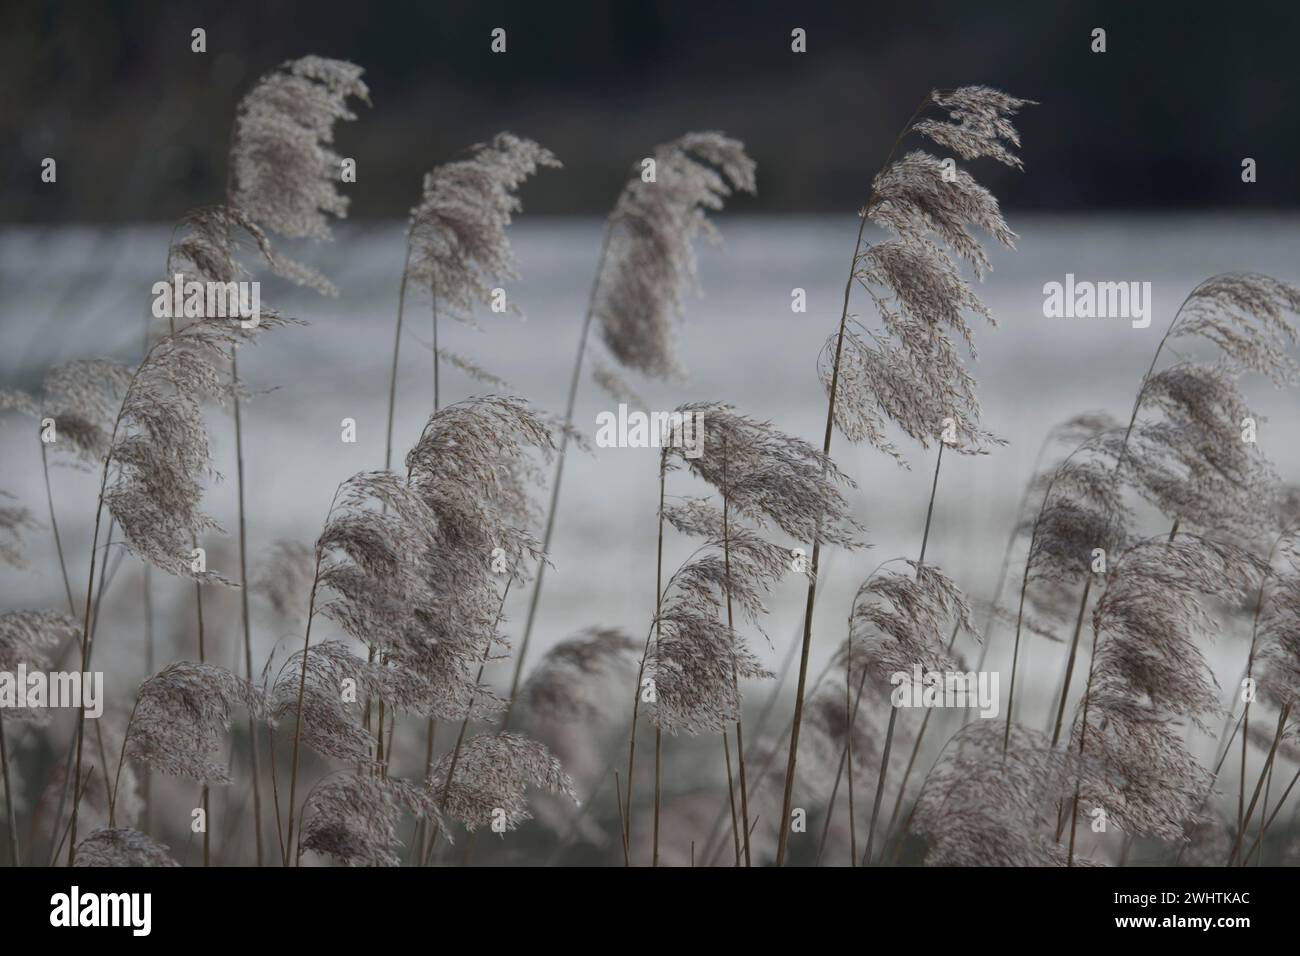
column 1141, row 543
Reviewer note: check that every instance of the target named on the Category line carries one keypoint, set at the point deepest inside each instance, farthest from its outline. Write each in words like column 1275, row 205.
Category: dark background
column 139, row 124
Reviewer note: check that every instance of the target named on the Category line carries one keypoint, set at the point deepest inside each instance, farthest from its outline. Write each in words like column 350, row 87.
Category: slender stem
column 1268, row 765
column 574, row 378
column 397, row 347
column 1069, row 663
column 275, row 791
column 773, row 697
column 640, row 673
column 916, row 750
column 783, row 824
column 929, row 511
column 839, row 773
column 11, row 817
column 302, row 687
column 850, row 724
column 735, row 677
column 1015, row 653
column 243, row 596
column 207, row 822
column 1245, row 713
column 659, row 739
column 417, row 844
column 1083, row 734
column 880, row 785
column 659, row 571
column 54, row 527
column 622, row 819
column 1269, row 820
column 731, row 796
column 85, row 656
column 1005, row 567
column 464, row 724
column 121, row 762
column 146, row 775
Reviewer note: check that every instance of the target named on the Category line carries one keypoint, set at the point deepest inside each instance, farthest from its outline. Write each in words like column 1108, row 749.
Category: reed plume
column 568, row 684
column 1148, row 675
column 645, row 266
column 28, row 639
column 1082, row 510
column 282, row 176
column 984, row 804
column 354, row 817
column 486, row 783
column 15, row 521
column 181, row 717
column 284, row 173
column 121, row 847
column 330, row 724
column 156, row 459
column 766, row 477
column 910, row 373
column 898, row 623
column 457, row 247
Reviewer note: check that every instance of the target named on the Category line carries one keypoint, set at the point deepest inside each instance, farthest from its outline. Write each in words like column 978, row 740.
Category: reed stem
column 574, row 378
column 302, row 688
column 11, row 817
column 880, row 785
column 254, row 756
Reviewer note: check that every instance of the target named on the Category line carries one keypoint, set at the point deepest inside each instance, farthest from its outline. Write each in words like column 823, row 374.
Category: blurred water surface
column 85, row 291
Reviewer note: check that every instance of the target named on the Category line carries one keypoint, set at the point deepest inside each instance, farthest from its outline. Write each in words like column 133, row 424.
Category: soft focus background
column 1132, row 174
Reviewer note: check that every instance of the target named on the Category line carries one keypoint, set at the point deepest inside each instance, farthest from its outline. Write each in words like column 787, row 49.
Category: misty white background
column 83, row 292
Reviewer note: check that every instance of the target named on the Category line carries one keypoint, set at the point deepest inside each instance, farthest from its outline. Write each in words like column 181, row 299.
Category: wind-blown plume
column 82, row 397
column 767, row 476
column 330, row 725
column 983, row 806
column 1149, row 675
column 696, row 658
column 902, row 621
column 286, row 578
column 159, row 443
column 15, row 521
column 121, row 846
column 569, row 683
column 1193, row 462
column 468, row 470
column 284, row 173
column 30, row 639
column 458, row 245
column 912, row 374
column 354, row 818
column 492, row 775
column 181, row 717
column 650, row 260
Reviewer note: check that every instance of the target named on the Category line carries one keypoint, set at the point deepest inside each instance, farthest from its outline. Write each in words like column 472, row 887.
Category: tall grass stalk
column 287, row 843
column 640, row 674
column 783, row 824
column 552, row 508
column 254, row 757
